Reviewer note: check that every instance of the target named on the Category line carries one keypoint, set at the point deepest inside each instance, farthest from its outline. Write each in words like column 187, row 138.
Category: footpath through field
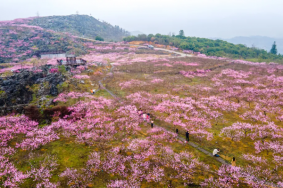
column 172, row 51
column 102, row 86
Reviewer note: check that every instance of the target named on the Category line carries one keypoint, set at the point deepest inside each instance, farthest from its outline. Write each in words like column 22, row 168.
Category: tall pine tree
column 182, row 33
column 273, row 49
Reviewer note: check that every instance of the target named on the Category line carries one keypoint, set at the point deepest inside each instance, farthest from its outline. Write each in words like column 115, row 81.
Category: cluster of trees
column 208, row 47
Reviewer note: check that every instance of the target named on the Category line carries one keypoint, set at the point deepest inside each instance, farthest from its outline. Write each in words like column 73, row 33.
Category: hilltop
column 81, row 25
column 21, row 39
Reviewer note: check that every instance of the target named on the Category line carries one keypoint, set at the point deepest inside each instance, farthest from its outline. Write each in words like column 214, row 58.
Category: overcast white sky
column 202, row 18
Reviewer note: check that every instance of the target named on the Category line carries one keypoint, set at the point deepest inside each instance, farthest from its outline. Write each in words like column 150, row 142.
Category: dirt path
column 172, row 51
column 102, row 86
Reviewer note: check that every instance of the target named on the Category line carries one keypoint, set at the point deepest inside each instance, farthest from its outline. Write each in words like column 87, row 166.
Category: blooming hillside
column 20, row 41
column 102, row 139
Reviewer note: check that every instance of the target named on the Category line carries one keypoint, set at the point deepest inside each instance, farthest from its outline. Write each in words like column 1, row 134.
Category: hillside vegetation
column 78, row 139
column 56, row 132
column 23, row 38
column 20, row 42
column 209, row 47
column 81, row 25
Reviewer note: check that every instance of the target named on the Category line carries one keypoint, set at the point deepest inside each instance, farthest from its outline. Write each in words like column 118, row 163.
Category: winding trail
column 103, row 87
column 172, row 51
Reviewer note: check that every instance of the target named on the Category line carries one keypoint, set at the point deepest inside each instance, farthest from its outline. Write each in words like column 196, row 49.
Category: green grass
column 102, row 93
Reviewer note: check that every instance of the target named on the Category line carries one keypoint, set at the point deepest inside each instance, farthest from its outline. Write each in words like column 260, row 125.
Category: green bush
column 62, row 69
column 99, row 38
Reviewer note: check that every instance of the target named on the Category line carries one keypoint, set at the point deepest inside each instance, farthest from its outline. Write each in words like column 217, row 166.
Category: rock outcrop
column 20, row 89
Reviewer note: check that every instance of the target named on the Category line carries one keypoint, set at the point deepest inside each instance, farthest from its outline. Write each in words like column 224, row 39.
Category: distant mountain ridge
column 260, row 42
column 81, row 25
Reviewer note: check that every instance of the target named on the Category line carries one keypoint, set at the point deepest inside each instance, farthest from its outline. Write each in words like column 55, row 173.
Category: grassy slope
column 81, row 25
column 70, row 154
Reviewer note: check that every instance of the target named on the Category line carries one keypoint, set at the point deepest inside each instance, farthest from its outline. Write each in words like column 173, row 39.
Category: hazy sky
column 202, row 18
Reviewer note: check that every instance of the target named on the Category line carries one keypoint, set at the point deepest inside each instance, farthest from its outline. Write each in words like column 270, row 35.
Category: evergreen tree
column 182, row 33
column 273, row 49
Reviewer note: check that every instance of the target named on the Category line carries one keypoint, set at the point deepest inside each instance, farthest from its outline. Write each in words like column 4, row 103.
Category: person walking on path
column 233, row 163
column 187, row 136
column 151, row 123
column 147, row 118
column 144, row 116
column 215, row 151
column 177, row 131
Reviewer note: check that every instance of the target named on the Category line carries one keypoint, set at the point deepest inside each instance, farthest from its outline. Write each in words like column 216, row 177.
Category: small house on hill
column 72, row 60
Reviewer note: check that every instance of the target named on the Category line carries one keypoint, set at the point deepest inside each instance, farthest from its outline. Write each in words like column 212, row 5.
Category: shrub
column 62, row 111
column 99, row 38
column 62, row 69
column 33, row 113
